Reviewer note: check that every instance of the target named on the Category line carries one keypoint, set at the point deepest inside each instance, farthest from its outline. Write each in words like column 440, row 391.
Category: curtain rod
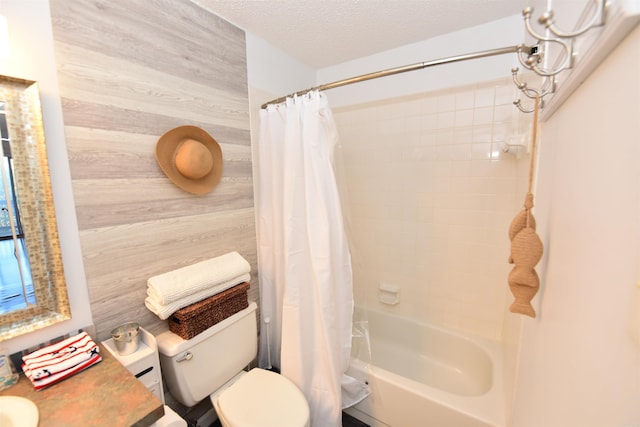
column 404, row 69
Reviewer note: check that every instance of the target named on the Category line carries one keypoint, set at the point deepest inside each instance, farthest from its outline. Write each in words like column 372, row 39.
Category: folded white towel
column 177, row 284
column 163, row 311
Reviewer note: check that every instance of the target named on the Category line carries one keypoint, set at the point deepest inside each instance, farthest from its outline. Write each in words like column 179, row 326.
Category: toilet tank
column 195, row 368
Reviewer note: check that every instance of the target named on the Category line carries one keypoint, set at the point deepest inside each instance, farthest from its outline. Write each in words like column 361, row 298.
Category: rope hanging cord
column 526, row 246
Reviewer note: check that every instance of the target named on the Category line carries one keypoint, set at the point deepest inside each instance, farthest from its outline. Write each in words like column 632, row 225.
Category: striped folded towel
column 61, row 360
column 178, row 284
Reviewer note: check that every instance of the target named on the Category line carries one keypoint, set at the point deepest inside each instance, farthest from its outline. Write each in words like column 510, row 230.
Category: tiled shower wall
column 431, row 196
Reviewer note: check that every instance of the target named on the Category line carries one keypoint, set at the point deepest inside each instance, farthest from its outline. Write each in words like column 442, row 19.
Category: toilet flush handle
column 186, row 356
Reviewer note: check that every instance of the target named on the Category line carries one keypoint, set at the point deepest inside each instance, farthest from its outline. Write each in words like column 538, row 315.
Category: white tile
column 463, row 135
column 445, row 120
column 459, row 188
column 412, row 107
column 503, row 168
column 444, row 136
column 392, row 125
column 460, row 152
column 484, row 97
column 443, row 152
column 428, row 138
column 481, row 150
column 429, row 121
column 482, row 133
column 461, row 167
column 464, row 100
column 501, row 132
column 426, row 199
column 480, row 168
column 446, row 103
column 429, row 105
column 424, row 153
column 390, row 110
column 506, row 94
column 503, row 113
column 463, row 118
column 483, row 116
column 413, row 123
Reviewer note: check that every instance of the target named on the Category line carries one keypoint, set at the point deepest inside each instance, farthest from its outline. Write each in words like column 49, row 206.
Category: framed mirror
column 33, row 291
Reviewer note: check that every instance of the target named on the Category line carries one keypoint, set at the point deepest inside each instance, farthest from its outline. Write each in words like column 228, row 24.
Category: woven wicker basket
column 200, row 316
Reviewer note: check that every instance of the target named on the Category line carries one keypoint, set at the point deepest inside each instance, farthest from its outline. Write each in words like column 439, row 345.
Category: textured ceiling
column 322, row 33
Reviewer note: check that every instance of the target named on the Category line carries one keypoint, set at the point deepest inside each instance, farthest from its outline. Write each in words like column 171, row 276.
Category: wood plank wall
column 129, row 70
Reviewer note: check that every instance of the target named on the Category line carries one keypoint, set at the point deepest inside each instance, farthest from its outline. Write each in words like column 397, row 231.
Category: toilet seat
column 262, row 398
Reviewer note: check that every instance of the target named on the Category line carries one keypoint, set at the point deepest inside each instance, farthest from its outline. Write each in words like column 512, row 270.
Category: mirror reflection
column 32, row 286
column 16, row 284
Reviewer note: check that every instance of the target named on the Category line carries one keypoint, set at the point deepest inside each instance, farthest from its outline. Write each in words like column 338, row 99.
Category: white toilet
column 212, row 364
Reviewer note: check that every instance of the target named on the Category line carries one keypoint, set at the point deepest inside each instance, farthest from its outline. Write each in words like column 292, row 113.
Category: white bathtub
column 422, row 376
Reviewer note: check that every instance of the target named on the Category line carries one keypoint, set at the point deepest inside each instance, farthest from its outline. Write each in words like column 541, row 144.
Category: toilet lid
column 263, row 398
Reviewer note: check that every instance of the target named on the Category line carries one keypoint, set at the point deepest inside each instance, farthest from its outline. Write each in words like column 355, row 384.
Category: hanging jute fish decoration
column 526, row 246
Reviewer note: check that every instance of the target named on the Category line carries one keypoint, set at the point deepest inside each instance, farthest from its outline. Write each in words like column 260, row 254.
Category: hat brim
column 166, row 150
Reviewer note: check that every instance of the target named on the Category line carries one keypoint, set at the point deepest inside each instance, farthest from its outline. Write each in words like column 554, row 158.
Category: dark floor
column 347, row 421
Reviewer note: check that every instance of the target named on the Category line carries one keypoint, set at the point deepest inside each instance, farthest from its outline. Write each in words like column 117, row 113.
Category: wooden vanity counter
column 106, row 394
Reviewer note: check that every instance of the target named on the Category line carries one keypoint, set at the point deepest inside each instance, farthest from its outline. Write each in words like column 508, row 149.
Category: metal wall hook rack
column 533, row 57
column 548, row 86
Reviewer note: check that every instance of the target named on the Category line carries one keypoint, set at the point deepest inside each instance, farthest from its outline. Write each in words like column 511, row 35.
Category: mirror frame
column 26, row 136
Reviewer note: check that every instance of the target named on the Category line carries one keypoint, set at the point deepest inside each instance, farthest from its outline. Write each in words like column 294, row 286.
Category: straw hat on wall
column 190, row 158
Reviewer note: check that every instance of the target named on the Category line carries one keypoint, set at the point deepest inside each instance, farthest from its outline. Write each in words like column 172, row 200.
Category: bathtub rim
column 488, row 407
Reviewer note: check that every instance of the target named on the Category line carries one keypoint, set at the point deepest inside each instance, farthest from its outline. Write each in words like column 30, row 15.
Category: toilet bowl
column 245, row 402
column 212, row 364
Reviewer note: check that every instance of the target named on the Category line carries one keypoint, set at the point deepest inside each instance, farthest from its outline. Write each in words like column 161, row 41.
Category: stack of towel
column 61, row 360
column 169, row 292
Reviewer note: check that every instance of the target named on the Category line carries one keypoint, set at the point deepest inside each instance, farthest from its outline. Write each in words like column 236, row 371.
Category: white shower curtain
column 304, row 261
